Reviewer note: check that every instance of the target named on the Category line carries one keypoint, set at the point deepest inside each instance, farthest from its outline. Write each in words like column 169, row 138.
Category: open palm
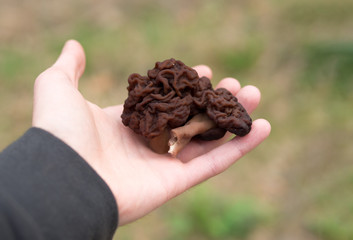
column 139, row 179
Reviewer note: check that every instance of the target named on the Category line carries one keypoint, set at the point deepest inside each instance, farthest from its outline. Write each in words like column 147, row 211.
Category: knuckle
column 51, row 73
column 214, row 166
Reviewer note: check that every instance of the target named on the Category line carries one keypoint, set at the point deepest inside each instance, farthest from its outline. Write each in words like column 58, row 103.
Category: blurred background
column 298, row 184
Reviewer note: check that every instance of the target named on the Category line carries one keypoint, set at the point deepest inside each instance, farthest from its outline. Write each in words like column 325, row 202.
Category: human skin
column 140, row 179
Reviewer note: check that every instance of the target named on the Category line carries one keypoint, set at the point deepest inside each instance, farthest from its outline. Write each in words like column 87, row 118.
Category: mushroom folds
column 172, row 96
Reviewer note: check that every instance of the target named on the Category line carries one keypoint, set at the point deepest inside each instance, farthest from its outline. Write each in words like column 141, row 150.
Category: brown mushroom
column 171, row 105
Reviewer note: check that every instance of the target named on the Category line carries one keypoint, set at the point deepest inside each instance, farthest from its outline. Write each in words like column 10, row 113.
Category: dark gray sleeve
column 47, row 191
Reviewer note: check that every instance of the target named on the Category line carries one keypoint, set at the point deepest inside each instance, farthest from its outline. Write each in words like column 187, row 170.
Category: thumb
column 71, row 61
column 56, row 88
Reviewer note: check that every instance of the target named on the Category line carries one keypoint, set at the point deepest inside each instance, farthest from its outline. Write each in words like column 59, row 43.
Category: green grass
column 208, row 216
column 330, row 64
column 331, row 218
column 241, row 59
column 314, row 12
column 15, row 65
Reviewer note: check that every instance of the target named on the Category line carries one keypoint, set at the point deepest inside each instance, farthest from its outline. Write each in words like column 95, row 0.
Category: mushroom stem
column 159, row 144
column 181, row 136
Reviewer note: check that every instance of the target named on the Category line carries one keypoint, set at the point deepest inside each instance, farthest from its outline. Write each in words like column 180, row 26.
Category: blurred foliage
column 208, row 216
column 332, row 218
column 14, row 64
column 319, row 11
column 330, row 64
column 11, row 62
column 239, row 60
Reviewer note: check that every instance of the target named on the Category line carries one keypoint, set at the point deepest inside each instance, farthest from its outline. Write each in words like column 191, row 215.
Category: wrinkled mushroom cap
column 227, row 112
column 171, row 94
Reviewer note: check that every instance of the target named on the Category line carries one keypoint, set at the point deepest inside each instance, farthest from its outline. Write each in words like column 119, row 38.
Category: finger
column 231, row 84
column 203, row 71
column 249, row 97
column 71, row 61
column 219, row 159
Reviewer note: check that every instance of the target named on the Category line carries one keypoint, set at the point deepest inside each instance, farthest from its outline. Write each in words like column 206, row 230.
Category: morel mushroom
column 171, row 105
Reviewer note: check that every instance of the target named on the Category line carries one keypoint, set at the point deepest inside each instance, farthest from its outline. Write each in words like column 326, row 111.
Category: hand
column 140, row 179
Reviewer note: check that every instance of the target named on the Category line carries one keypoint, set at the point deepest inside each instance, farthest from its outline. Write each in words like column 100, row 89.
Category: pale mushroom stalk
column 181, row 136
